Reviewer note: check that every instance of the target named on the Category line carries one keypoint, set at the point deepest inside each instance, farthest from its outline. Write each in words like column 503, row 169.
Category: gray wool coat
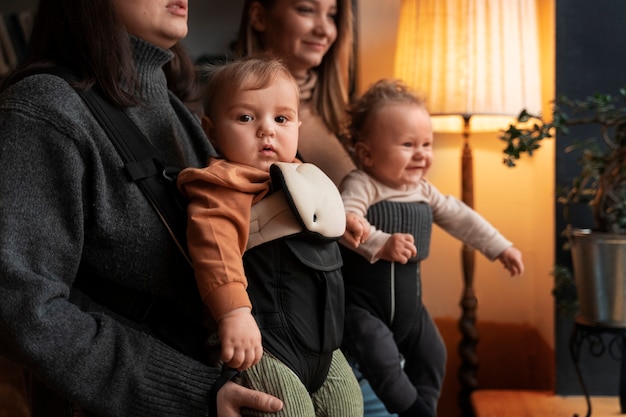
column 67, row 209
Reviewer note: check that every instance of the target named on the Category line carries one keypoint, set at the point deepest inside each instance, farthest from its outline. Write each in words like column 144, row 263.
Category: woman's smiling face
column 299, row 31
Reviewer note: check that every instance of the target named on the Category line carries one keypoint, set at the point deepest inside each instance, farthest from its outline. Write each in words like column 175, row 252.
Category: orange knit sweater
column 220, row 197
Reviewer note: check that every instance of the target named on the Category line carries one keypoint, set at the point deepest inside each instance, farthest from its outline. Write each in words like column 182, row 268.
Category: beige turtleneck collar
column 307, row 84
column 318, row 145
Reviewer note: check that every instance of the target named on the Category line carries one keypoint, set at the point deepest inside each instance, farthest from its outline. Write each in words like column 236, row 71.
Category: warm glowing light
column 471, row 57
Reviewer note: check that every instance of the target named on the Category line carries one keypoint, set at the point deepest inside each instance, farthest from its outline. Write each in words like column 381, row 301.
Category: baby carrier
column 293, row 265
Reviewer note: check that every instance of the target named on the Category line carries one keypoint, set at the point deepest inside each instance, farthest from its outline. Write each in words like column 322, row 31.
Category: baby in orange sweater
column 262, row 235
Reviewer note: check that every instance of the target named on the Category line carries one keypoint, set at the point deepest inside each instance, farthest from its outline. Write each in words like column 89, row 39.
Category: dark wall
column 213, row 25
column 12, row 6
column 590, row 58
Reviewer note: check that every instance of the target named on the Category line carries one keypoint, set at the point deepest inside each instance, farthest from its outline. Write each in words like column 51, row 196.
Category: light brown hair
column 249, row 73
column 330, row 96
column 379, row 94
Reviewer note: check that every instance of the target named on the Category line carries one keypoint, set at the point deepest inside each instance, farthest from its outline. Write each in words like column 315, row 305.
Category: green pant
column 339, row 396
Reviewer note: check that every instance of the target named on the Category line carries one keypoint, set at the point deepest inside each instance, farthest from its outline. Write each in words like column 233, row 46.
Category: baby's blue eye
column 280, row 119
column 245, row 118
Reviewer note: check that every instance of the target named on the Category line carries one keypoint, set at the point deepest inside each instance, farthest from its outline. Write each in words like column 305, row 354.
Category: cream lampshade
column 470, row 57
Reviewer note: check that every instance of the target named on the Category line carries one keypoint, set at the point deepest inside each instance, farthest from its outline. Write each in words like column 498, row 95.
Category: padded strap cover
column 270, row 219
column 305, row 200
column 312, row 196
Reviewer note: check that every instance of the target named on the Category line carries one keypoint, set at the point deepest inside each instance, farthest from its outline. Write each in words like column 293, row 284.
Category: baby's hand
column 240, row 337
column 400, row 247
column 357, row 229
column 511, row 258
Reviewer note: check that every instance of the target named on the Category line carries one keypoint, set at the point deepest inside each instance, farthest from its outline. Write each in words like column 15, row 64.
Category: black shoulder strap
column 142, row 162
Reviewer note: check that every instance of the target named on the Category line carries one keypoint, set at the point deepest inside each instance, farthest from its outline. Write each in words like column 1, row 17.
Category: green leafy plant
column 601, row 181
column 564, row 291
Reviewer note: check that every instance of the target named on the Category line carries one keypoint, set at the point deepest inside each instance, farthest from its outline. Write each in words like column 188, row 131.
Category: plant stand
column 592, row 333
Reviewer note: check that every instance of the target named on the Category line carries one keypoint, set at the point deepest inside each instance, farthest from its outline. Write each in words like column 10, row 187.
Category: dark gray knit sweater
column 67, row 208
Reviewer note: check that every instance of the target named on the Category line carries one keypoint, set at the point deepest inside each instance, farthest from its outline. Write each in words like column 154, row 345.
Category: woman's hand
column 232, row 397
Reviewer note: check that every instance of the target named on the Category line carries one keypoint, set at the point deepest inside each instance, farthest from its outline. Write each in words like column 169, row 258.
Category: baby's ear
column 207, row 126
column 363, row 154
column 209, row 130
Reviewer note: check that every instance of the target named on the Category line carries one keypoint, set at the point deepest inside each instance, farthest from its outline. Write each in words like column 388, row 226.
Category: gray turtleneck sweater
column 67, row 209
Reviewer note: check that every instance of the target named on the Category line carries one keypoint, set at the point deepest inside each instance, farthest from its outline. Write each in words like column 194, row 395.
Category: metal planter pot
column 599, row 261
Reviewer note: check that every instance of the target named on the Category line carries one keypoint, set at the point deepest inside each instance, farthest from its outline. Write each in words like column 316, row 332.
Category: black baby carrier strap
column 144, row 166
column 142, row 161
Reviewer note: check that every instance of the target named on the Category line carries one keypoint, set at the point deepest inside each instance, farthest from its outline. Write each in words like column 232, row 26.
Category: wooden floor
column 516, row 403
column 487, row 403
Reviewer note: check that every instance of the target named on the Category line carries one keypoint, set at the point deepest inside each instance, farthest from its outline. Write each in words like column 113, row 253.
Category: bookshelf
column 13, row 6
column 15, row 26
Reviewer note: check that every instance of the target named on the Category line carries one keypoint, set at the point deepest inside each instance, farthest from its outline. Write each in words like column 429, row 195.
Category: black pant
column 399, row 367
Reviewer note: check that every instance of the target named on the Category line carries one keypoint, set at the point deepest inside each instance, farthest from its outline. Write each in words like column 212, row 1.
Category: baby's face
column 398, row 138
column 258, row 127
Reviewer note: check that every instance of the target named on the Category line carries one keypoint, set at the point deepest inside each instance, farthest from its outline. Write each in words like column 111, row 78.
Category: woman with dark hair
column 314, row 39
column 94, row 289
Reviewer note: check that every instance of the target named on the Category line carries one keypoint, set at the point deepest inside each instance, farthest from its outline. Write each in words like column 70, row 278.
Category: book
column 17, row 35
column 4, row 67
column 6, row 44
column 25, row 20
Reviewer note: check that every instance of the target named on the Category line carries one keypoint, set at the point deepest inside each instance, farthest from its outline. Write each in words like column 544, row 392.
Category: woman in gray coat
column 94, row 290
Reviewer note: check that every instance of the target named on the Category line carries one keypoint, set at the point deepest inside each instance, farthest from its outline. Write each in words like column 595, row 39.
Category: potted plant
column 598, row 253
